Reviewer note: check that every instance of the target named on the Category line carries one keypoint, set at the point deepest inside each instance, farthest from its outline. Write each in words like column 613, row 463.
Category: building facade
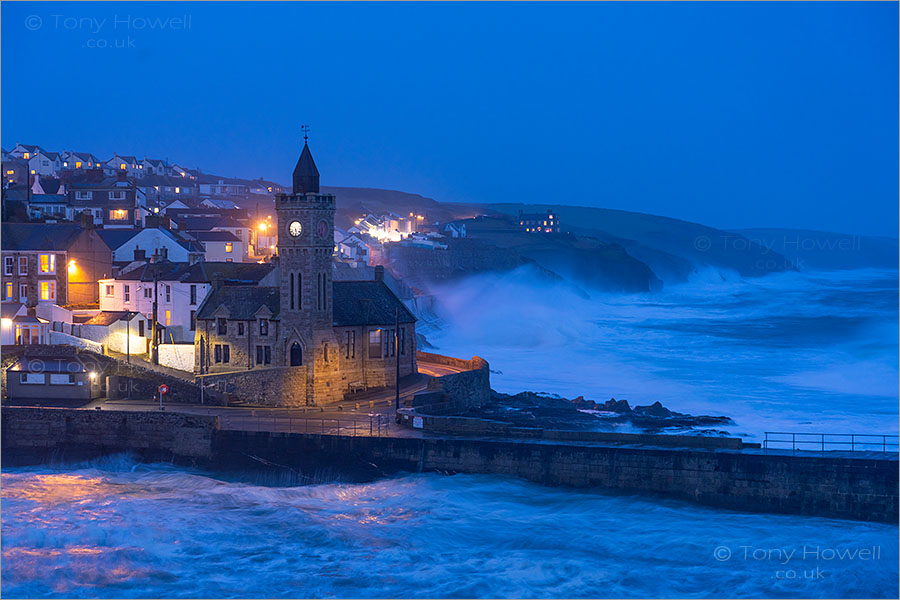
column 324, row 338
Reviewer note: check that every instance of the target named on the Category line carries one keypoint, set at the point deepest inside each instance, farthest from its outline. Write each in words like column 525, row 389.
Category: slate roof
column 49, row 199
column 115, row 238
column 367, row 303
column 216, row 236
column 39, row 236
column 32, row 364
column 202, row 272
column 8, row 310
column 355, row 303
column 241, row 301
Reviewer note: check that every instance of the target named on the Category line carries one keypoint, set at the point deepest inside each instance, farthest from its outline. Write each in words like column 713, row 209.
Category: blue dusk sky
column 728, row 114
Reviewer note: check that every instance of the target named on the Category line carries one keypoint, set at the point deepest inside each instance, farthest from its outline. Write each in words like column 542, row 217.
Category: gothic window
column 293, row 304
column 299, row 290
column 221, row 326
column 296, row 355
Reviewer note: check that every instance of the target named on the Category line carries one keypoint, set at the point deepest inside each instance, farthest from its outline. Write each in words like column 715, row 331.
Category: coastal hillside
column 674, row 249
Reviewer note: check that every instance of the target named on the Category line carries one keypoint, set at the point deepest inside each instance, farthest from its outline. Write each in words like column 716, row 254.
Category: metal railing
column 371, row 426
column 821, row 442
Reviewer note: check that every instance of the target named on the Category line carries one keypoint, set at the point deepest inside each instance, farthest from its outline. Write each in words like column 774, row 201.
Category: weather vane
column 305, row 129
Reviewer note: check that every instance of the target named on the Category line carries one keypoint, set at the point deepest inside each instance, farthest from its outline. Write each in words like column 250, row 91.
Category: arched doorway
column 296, row 355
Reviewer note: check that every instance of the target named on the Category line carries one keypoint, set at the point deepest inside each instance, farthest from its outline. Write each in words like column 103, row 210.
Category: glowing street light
column 73, row 268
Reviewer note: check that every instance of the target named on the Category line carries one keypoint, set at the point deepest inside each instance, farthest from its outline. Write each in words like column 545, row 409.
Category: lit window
column 65, row 164
column 118, row 214
column 168, row 318
column 32, row 171
column 48, row 290
column 9, row 290
column 122, row 166
column 10, row 172
column 48, row 263
column 228, row 247
column 177, row 190
column 26, row 155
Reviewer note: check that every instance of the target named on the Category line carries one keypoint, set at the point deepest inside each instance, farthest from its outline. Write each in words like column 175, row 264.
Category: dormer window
column 263, row 327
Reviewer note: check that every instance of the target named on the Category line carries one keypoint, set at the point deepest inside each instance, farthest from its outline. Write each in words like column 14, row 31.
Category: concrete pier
column 840, row 485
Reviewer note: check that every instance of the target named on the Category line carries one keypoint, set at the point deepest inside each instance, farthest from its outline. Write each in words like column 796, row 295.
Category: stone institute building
column 310, row 338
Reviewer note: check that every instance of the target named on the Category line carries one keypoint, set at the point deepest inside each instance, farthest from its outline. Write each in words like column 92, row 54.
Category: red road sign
column 163, row 389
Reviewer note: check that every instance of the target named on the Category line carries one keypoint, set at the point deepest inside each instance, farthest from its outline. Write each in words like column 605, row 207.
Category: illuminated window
column 48, row 290
column 122, row 166
column 168, row 318
column 10, row 172
column 375, row 344
column 228, row 247
column 26, row 155
column 32, row 171
column 177, row 190
column 118, row 215
column 8, row 290
column 66, row 164
column 48, row 263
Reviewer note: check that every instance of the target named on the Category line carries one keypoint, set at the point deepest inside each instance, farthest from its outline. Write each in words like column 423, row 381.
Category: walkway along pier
column 860, row 486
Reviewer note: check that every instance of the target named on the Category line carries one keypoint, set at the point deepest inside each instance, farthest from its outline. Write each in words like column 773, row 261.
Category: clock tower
column 305, row 247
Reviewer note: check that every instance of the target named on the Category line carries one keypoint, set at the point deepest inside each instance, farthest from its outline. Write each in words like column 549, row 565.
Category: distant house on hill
column 539, row 222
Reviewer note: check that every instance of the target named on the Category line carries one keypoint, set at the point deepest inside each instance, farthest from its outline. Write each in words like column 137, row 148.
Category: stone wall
column 747, row 480
column 471, row 387
column 39, row 434
column 276, row 386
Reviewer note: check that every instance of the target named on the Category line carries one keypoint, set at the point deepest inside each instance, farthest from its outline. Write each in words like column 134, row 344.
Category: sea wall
column 830, row 485
column 41, row 434
column 275, row 386
column 747, row 480
column 471, row 387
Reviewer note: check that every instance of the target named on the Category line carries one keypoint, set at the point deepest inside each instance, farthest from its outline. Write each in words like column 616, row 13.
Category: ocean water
column 117, row 529
column 797, row 352
column 793, row 352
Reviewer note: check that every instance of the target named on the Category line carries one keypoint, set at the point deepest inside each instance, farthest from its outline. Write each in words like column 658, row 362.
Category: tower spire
column 306, row 176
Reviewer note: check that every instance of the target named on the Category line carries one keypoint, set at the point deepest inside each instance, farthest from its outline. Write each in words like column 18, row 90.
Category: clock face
column 322, row 228
column 295, row 228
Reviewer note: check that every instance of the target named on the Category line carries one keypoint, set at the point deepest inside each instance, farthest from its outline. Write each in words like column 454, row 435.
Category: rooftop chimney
column 121, row 175
column 379, row 273
column 140, row 254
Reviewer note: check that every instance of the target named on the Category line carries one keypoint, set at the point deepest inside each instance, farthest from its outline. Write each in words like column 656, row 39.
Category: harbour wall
column 839, row 486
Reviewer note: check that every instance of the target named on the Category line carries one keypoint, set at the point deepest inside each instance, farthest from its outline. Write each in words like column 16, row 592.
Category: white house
column 179, row 290
column 154, row 166
column 42, row 162
column 136, row 244
column 220, row 246
column 455, row 230
column 79, row 160
column 130, row 164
